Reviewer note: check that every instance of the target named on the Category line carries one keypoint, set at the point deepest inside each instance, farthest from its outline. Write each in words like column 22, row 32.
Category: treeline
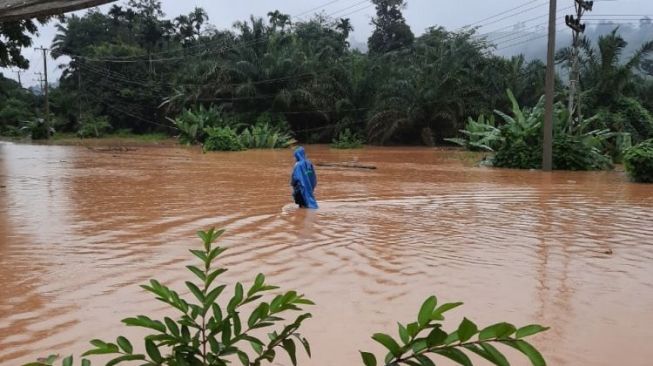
column 133, row 68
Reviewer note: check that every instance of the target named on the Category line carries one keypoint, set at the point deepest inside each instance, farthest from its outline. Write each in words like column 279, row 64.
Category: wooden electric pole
column 547, row 150
column 574, row 22
column 40, row 80
column 45, row 83
column 19, row 81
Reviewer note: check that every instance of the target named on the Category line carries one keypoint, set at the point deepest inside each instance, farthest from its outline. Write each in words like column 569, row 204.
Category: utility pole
column 45, row 83
column 19, row 81
column 547, row 150
column 79, row 92
column 574, row 77
column 40, row 80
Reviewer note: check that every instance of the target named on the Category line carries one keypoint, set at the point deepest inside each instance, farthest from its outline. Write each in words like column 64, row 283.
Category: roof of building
column 23, row 9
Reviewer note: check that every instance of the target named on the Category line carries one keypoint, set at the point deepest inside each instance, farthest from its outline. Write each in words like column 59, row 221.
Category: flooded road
column 80, row 229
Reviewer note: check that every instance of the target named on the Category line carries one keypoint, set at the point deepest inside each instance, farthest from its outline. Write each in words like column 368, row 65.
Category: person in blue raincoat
column 303, row 180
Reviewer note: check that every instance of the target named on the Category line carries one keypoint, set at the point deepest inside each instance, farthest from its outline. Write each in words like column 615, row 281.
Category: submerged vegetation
column 639, row 162
column 347, row 140
column 211, row 329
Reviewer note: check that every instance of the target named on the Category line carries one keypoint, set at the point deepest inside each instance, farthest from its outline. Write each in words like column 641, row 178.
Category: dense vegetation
column 133, row 68
column 209, row 331
column 639, row 162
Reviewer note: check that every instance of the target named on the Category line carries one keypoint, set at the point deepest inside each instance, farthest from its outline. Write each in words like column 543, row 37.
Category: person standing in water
column 303, row 180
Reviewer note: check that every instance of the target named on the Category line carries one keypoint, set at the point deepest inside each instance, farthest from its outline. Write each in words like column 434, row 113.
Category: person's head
column 299, row 153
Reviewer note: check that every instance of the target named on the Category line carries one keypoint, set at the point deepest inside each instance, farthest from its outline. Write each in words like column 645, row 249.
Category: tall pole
column 79, row 92
column 577, row 28
column 40, row 80
column 547, row 150
column 45, row 83
column 19, row 81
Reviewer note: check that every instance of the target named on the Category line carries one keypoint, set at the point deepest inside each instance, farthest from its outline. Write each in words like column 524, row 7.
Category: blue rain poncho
column 303, row 180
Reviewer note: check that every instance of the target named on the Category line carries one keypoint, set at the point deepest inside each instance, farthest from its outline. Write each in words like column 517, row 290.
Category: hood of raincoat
column 300, row 154
column 303, row 178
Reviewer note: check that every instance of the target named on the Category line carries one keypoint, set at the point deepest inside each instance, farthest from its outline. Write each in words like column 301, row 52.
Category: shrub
column 38, row 129
column 93, row 126
column 265, row 136
column 192, row 123
column 13, row 111
column 479, row 135
column 638, row 161
column 347, row 140
column 426, row 337
column 222, row 139
column 277, row 121
column 206, row 332
column 627, row 115
column 520, row 142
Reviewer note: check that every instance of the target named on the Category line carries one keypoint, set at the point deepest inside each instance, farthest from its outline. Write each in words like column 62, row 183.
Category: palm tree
column 602, row 68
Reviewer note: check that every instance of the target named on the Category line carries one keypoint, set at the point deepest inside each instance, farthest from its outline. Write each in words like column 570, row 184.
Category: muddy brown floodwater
column 81, row 228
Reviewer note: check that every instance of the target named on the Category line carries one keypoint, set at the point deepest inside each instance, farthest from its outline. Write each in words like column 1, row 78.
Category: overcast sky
column 420, row 15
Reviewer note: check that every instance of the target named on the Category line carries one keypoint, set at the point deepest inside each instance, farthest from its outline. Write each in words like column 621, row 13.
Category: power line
column 500, row 14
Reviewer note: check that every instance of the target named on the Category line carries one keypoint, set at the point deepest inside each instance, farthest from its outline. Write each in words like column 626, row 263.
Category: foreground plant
column 207, row 332
column 421, row 340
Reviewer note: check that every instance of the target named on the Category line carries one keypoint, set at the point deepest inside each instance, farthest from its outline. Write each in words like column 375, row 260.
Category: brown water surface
column 81, row 228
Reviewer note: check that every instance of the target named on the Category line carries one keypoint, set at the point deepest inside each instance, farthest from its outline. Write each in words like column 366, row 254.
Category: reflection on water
column 80, row 229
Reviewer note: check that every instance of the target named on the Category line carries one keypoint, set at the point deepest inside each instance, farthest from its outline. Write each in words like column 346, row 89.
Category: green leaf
column 145, row 322
column 403, row 333
column 495, row 356
column 226, row 331
column 124, row 358
column 68, row 361
column 258, row 348
column 213, row 275
column 236, row 299
column 213, row 295
column 388, row 343
column 102, row 348
column 530, row 330
column 466, row 330
column 196, row 291
column 455, row 355
column 199, row 254
column 419, row 345
column 86, row 362
column 304, row 341
column 424, row 360
column 368, row 359
column 289, row 346
column 527, row 349
column 426, row 311
column 244, row 359
column 438, row 313
column 413, row 329
column 153, row 351
column 436, row 337
column 499, row 330
column 452, row 338
column 125, row 344
column 236, row 322
column 198, row 272
column 258, row 283
column 172, row 327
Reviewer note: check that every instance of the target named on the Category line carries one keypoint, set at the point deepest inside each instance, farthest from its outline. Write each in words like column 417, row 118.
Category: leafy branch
column 425, row 338
column 207, row 333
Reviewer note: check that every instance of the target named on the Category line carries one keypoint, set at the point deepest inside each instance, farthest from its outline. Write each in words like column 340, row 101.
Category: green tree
column 391, row 31
column 14, row 36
